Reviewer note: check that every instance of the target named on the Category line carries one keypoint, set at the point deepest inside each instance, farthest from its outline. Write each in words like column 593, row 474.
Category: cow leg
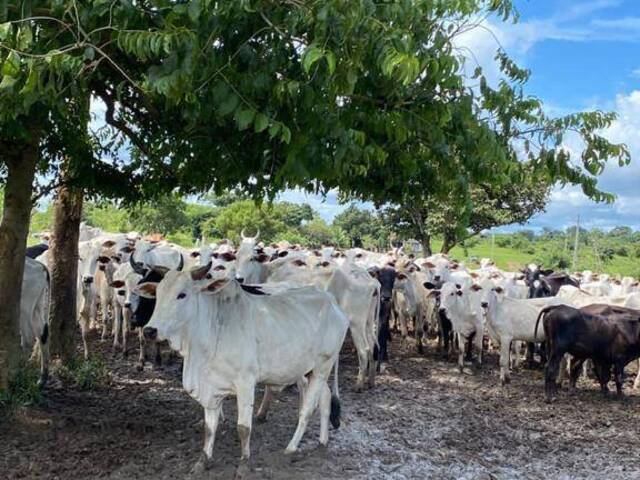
column 404, row 331
column 117, row 325
column 479, row 340
column 618, row 377
column 563, row 370
column 211, row 420
column 419, row 332
column 636, row 382
column 517, row 349
column 157, row 357
column 261, row 416
column 604, row 375
column 125, row 332
column 245, row 397
column 104, row 309
column 43, row 342
column 360, row 342
column 371, row 370
column 551, row 375
column 576, row 369
column 505, row 350
column 84, row 328
column 318, row 380
column 325, row 411
column 141, row 357
column 531, row 348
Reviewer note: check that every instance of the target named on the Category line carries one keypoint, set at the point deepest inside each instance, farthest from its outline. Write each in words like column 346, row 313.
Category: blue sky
column 584, row 54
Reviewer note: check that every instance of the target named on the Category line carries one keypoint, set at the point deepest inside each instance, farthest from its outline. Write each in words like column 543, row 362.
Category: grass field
column 511, row 259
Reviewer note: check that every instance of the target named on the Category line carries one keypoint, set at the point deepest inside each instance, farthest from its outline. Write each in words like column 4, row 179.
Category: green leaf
column 7, row 82
column 89, row 53
column 311, row 56
column 244, row 118
column 286, row 135
column 274, row 129
column 229, row 105
column 5, row 30
column 194, row 10
column 261, row 122
column 11, row 66
column 331, row 62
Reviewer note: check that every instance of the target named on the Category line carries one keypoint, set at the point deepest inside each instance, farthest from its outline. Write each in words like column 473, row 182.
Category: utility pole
column 493, row 244
column 575, row 245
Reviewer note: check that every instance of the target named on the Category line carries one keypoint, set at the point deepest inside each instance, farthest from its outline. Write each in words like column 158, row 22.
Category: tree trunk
column 64, row 271
column 14, row 229
column 425, row 241
column 447, row 244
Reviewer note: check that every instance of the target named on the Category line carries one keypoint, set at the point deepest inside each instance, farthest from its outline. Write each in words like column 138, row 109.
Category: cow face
column 387, row 277
column 491, row 296
column 451, row 298
column 144, row 290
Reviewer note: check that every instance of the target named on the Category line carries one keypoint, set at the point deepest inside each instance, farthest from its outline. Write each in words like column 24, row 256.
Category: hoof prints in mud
column 422, row 420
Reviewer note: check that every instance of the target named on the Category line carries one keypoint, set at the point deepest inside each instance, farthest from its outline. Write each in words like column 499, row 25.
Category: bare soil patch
column 422, row 420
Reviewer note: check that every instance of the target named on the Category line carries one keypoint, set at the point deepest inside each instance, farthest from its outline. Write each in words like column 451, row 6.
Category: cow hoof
column 202, row 465
column 139, row 367
column 359, row 387
column 505, row 381
column 42, row 381
column 261, row 418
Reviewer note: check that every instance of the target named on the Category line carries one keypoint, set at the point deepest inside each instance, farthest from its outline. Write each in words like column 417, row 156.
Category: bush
column 83, row 374
column 622, row 251
column 23, row 390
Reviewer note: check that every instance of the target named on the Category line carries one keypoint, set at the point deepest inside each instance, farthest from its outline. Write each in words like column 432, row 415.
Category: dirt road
column 423, row 420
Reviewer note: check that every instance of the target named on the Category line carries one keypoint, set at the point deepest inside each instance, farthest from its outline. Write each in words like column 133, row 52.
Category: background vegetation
column 214, row 218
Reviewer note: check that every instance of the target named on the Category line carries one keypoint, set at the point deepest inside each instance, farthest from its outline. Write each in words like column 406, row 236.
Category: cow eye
column 181, row 295
column 220, row 267
column 121, row 292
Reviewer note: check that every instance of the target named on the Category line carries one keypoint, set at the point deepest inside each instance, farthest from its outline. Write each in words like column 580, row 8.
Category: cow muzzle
column 442, row 310
column 87, row 280
column 484, row 305
column 240, row 279
column 150, row 333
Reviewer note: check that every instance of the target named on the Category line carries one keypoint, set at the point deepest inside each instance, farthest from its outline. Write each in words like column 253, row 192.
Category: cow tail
column 542, row 313
column 334, row 415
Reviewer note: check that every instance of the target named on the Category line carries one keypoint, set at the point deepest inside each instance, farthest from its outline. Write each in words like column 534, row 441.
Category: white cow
column 233, row 337
column 510, row 319
column 462, row 306
column 34, row 313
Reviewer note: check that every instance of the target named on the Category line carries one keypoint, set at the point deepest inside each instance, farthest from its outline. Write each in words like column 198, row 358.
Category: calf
column 462, row 308
column 606, row 334
column 386, row 276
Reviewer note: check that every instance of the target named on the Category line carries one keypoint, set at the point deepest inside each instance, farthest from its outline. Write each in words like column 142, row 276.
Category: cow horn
column 137, row 266
column 160, row 270
column 181, row 264
column 245, row 238
column 200, row 272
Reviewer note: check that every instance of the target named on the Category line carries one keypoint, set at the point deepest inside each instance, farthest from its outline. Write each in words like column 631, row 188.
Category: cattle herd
column 277, row 315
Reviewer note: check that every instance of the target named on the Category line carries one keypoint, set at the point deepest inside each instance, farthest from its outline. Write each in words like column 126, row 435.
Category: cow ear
column 194, row 254
column 213, row 286
column 127, row 249
column 547, row 272
column 299, row 263
column 104, row 259
column 520, row 277
column 146, row 289
column 228, row 257
column 108, row 243
column 429, row 286
column 428, row 265
column 373, row 272
column 498, row 289
column 263, row 257
column 474, row 275
column 284, row 253
column 316, row 253
column 475, row 287
column 401, row 276
column 117, row 284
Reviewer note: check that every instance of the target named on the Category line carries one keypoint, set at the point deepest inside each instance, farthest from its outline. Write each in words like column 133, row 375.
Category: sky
column 584, row 55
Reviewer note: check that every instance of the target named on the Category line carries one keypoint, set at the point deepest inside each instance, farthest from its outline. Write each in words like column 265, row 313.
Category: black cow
column 544, row 283
column 387, row 277
column 606, row 334
column 445, row 328
column 147, row 303
column 36, row 250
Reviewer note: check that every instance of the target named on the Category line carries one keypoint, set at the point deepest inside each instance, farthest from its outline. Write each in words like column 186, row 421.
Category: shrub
column 83, row 374
column 23, row 390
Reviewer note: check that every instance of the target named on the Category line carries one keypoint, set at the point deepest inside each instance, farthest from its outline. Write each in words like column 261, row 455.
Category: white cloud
column 636, row 73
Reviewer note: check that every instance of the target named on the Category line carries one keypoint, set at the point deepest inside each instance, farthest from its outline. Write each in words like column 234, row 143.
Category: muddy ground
column 422, row 420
